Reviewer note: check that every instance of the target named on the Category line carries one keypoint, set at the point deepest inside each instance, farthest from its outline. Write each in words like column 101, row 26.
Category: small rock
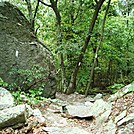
column 126, row 119
column 100, row 107
column 122, row 92
column 89, row 99
column 38, row 115
column 6, row 99
column 36, row 112
column 98, row 96
column 24, row 98
column 110, row 128
column 102, row 118
column 69, row 130
column 124, row 131
column 81, row 111
column 121, row 116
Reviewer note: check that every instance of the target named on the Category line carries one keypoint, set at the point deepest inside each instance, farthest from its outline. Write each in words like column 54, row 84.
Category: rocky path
column 75, row 114
column 120, row 119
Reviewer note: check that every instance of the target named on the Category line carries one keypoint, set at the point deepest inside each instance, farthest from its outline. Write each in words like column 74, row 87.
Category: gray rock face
column 6, row 99
column 20, row 49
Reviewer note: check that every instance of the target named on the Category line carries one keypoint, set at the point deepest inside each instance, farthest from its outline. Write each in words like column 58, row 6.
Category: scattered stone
column 98, row 96
column 32, row 125
column 100, row 107
column 125, row 131
column 126, row 119
column 14, row 115
column 55, row 120
column 103, row 117
column 89, row 99
column 21, row 116
column 38, row 115
column 121, row 116
column 110, row 128
column 81, row 111
column 69, row 130
column 107, row 117
column 6, row 99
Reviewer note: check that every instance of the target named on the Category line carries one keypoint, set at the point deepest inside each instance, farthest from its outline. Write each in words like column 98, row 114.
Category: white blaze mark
column 17, row 53
column 96, row 56
column 79, row 64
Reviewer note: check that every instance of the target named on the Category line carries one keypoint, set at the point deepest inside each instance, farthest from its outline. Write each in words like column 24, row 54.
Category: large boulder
column 21, row 49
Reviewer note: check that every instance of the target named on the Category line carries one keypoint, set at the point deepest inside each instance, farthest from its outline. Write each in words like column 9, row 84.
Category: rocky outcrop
column 20, row 49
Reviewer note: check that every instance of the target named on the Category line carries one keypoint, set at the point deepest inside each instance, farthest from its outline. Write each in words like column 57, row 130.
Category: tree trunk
column 72, row 84
column 108, row 73
column 59, row 42
column 29, row 7
column 97, row 50
column 31, row 16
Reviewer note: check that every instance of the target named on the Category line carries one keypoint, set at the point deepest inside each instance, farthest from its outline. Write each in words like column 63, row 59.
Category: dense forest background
column 92, row 41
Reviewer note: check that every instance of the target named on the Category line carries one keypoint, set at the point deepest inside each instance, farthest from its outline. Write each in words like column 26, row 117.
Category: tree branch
column 45, row 4
column 96, row 1
column 77, row 13
column 36, row 9
column 29, row 7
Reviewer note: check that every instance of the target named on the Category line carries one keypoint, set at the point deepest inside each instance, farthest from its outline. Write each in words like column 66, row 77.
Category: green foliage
column 27, row 79
column 28, row 82
column 33, row 97
column 24, row 87
column 116, row 87
column 3, row 83
column 17, row 96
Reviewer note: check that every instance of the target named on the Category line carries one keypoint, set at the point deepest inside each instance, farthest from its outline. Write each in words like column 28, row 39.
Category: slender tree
column 97, row 50
column 72, row 84
column 31, row 15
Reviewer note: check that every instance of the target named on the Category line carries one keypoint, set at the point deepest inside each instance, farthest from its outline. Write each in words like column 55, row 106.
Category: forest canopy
column 92, row 41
